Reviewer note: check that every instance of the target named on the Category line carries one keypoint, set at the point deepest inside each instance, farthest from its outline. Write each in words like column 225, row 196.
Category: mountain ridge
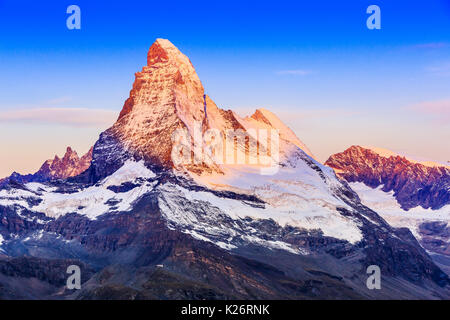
column 70, row 165
column 414, row 184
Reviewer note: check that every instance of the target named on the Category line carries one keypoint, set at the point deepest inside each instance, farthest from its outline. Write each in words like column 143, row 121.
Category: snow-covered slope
column 302, row 202
column 91, row 201
column 264, row 119
column 430, row 227
column 385, row 204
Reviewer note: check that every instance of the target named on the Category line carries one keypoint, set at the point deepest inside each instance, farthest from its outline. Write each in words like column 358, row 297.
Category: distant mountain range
column 69, row 165
column 169, row 208
column 406, row 192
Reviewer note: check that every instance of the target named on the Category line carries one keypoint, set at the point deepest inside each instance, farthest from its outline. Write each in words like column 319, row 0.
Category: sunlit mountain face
column 406, row 192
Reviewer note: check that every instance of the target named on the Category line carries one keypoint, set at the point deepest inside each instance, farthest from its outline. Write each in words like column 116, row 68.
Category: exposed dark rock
column 414, row 184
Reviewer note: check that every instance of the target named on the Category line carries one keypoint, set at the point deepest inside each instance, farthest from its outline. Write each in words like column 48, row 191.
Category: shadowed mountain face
column 145, row 227
column 414, row 184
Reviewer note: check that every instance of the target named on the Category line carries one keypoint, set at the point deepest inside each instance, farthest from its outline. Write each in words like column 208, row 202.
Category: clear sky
column 317, row 66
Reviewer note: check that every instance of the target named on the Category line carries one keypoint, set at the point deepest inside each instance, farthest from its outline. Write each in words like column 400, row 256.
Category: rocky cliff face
column 414, row 184
column 167, row 95
column 220, row 230
column 70, row 165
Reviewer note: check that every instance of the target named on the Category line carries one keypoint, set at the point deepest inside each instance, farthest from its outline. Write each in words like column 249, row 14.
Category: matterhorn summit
column 167, row 96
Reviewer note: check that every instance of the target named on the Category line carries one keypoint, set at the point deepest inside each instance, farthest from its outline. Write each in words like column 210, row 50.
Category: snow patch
column 385, row 204
column 90, row 202
column 283, row 208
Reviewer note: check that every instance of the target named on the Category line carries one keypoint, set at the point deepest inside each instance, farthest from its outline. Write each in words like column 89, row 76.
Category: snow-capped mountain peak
column 262, row 115
column 168, row 98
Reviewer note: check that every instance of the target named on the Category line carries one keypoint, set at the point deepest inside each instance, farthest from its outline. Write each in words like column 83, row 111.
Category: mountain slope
column 414, row 184
column 167, row 97
column 270, row 223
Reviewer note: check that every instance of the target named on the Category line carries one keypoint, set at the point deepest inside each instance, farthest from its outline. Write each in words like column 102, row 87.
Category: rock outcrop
column 414, row 184
column 70, row 165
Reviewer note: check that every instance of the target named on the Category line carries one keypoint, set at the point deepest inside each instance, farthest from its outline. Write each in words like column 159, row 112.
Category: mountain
column 69, row 165
column 406, row 192
column 184, row 200
column 414, row 184
column 167, row 96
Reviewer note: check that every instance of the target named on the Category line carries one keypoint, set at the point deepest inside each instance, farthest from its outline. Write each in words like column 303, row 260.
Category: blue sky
column 335, row 82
